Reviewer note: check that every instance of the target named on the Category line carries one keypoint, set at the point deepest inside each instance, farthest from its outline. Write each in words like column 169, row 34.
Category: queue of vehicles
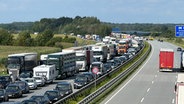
column 64, row 64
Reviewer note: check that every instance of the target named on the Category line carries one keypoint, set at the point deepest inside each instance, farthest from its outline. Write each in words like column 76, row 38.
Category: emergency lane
column 148, row 85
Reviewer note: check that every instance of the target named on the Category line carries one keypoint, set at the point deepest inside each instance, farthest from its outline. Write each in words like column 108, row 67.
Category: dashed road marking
column 148, row 89
column 173, row 100
column 142, row 100
column 152, row 82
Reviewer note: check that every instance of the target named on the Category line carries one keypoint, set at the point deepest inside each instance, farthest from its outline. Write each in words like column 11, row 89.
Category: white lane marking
column 173, row 100
column 131, row 78
column 142, row 100
column 155, row 75
column 152, row 82
column 148, row 89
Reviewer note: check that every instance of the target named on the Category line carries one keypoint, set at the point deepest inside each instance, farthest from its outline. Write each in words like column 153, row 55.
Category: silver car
column 32, row 83
column 40, row 80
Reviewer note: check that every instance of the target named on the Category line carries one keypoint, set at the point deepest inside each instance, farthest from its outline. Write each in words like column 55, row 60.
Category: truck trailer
column 65, row 63
column 179, row 89
column 166, row 59
column 84, row 57
column 22, row 62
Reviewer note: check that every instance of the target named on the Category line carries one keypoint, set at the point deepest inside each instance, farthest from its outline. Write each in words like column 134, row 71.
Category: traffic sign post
column 179, row 31
column 95, row 70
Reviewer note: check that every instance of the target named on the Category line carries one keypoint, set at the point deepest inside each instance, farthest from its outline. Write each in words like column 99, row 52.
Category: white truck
column 100, row 52
column 99, row 66
column 84, row 57
column 21, row 63
column 47, row 71
column 179, row 89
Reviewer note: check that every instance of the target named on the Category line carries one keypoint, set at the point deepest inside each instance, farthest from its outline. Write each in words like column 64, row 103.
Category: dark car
column 41, row 99
column 64, row 87
column 3, row 95
column 5, row 81
column 123, row 58
column 179, row 49
column 107, row 67
column 28, row 101
column 11, row 102
column 112, row 63
column 80, row 81
column 24, row 86
column 53, row 95
column 117, row 60
column 90, row 76
column 14, row 90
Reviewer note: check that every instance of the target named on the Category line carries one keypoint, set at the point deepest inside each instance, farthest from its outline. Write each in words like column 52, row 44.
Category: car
column 179, row 49
column 112, row 63
column 117, row 60
column 5, row 81
column 3, row 95
column 132, row 50
column 24, row 86
column 64, row 87
column 14, row 90
column 29, row 101
column 40, row 80
column 123, row 58
column 90, row 75
column 129, row 55
column 53, row 95
column 80, row 81
column 11, row 102
column 25, row 75
column 107, row 67
column 32, row 83
column 41, row 99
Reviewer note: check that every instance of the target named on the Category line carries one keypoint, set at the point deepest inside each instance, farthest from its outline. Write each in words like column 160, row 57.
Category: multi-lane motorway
column 147, row 85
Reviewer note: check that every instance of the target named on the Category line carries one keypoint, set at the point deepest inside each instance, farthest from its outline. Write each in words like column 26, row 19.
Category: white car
column 32, row 83
column 40, row 80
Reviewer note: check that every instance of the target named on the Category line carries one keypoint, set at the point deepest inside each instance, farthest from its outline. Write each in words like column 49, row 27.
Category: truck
column 179, row 89
column 100, row 52
column 48, row 71
column 166, row 59
column 100, row 66
column 182, row 61
column 21, row 63
column 111, row 51
column 122, row 47
column 65, row 63
column 84, row 57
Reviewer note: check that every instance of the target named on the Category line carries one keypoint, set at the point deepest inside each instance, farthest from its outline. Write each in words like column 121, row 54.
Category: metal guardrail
column 106, row 86
column 121, row 76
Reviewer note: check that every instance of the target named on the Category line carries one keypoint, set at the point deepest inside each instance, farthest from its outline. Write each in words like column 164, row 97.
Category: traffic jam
column 82, row 65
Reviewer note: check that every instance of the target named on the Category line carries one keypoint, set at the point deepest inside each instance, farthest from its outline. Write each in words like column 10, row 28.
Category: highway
column 147, row 85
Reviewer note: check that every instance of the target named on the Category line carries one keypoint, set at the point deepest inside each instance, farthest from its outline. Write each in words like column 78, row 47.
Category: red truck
column 166, row 59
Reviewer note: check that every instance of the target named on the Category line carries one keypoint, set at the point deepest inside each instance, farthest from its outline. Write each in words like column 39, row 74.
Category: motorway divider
column 84, row 91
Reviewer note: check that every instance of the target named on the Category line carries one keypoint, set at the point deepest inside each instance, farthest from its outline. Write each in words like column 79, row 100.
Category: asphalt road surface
column 147, row 85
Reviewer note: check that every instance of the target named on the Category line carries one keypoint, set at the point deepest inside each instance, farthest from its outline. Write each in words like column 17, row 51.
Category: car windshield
column 62, row 86
column 36, row 98
column 5, row 78
column 22, row 84
column 29, row 80
column 1, row 92
column 51, row 93
column 81, row 78
column 12, row 88
column 24, row 75
column 37, row 78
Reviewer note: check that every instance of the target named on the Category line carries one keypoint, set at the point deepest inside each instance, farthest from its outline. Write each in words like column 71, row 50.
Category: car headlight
column 55, row 98
column 2, row 96
column 66, row 92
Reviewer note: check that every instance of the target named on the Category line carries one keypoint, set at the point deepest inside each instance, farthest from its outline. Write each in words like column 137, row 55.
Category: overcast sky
column 114, row 11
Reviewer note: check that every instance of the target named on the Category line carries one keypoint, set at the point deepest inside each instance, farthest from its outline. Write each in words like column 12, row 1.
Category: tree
column 24, row 39
column 5, row 37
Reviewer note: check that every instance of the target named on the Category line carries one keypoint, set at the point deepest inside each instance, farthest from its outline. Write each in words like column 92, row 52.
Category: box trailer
column 166, row 59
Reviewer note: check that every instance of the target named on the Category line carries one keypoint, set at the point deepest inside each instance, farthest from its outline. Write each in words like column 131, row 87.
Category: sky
column 113, row 11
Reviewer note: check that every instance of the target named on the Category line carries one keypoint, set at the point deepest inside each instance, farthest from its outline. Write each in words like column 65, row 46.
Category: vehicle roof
column 63, row 82
column 23, row 54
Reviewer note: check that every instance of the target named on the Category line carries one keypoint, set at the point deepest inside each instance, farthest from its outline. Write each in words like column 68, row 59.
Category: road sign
column 179, row 31
column 95, row 70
